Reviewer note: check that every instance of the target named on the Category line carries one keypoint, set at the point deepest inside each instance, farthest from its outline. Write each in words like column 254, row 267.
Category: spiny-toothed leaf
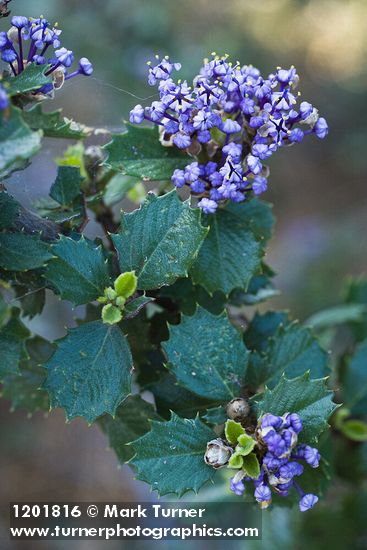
column 54, row 125
column 251, row 465
column 160, row 240
column 138, row 152
column 207, row 355
column 79, row 270
column 66, row 187
column 258, row 214
column 32, row 78
column 215, row 415
column 309, row 398
column 293, row 350
column 12, row 345
column 24, row 389
column 90, row 371
column 125, row 284
column 232, row 252
column 260, row 288
column 171, row 456
column 31, row 302
column 20, row 252
column 17, row 141
column 132, row 420
column 355, row 381
column 9, row 208
column 233, row 430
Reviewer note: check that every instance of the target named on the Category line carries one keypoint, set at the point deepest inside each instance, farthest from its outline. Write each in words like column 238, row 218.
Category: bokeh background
column 318, row 190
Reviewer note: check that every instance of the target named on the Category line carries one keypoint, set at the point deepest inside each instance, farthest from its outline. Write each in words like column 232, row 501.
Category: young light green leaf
column 246, row 444
column 20, row 252
column 132, row 420
column 171, row 456
column 111, row 315
column 79, row 270
column 231, row 254
column 32, row 78
column 251, row 465
column 90, row 372
column 233, row 430
column 17, row 142
column 67, row 185
column 207, row 355
column 160, row 240
column 356, row 430
column 309, row 398
column 138, row 152
column 236, row 461
column 125, row 284
column 54, row 125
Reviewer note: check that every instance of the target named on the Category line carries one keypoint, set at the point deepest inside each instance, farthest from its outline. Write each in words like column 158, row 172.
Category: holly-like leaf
column 12, row 345
column 90, row 372
column 263, row 327
column 133, row 307
column 9, row 208
column 17, row 141
column 259, row 289
column 232, row 252
column 138, row 152
column 79, row 270
column 355, row 381
column 32, row 78
column 24, row 389
column 171, row 456
column 160, row 240
column 54, row 125
column 20, row 252
column 309, row 398
column 293, row 350
column 207, row 355
column 67, row 185
column 132, row 420
column 215, row 415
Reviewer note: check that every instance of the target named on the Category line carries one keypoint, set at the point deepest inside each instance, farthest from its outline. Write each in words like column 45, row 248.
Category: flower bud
column 238, row 408
column 217, row 453
column 93, row 158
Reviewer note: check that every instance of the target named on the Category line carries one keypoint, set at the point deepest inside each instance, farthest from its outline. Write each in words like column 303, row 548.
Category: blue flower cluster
column 277, row 438
column 233, row 118
column 44, row 49
column 4, row 99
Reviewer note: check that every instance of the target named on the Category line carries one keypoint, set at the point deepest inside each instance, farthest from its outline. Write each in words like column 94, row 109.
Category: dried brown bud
column 217, row 453
column 238, row 409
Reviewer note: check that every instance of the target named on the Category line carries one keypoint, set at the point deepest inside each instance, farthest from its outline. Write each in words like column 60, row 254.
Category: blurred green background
column 318, row 190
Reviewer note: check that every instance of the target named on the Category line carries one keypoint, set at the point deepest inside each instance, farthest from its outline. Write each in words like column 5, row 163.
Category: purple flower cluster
column 44, row 49
column 4, row 100
column 281, row 461
column 232, row 117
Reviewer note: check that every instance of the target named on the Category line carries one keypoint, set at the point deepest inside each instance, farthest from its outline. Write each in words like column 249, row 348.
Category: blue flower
column 263, row 495
column 85, row 66
column 4, row 99
column 259, row 185
column 307, row 502
column 208, row 206
column 137, row 115
column 19, row 21
column 178, row 178
column 312, row 456
column 192, row 172
column 238, row 487
column 321, row 128
column 182, row 140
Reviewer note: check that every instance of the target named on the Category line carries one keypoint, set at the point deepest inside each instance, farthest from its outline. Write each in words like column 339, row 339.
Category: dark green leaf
column 215, row 415
column 132, row 420
column 117, row 188
column 309, row 398
column 12, row 345
column 262, row 327
column 260, row 289
column 355, row 382
column 17, row 142
column 54, row 125
column 32, row 302
column 24, row 389
column 9, row 208
column 79, row 270
column 90, row 372
column 231, row 253
column 133, row 307
column 207, row 355
column 160, row 240
column 138, row 152
column 171, row 456
column 32, row 78
column 336, row 316
column 20, row 252
column 67, row 185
